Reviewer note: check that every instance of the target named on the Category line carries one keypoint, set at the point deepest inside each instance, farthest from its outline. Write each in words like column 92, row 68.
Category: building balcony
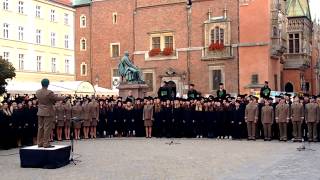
column 297, row 61
column 225, row 53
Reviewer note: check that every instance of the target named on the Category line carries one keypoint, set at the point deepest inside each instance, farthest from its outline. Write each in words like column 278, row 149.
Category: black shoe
column 50, row 146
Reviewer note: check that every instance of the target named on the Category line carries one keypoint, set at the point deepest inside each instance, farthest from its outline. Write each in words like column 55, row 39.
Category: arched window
column 83, row 21
column 83, row 69
column 83, row 44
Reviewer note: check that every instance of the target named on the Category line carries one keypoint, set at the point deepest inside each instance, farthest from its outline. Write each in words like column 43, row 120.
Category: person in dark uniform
column 192, row 93
column 110, row 118
column 221, row 92
column 6, row 127
column 31, row 118
column 265, row 91
column 18, row 119
column 198, row 113
column 129, row 117
column 167, row 117
column 138, row 115
column 118, row 119
column 163, row 92
column 238, row 121
column 157, row 118
column 176, row 119
column 102, row 123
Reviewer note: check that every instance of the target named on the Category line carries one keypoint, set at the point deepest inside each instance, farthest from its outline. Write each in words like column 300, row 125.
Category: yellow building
column 37, row 36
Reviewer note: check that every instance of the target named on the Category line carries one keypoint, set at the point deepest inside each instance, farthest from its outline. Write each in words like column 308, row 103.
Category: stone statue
column 128, row 70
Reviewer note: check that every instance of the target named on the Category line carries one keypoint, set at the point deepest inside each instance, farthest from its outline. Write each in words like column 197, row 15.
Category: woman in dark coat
column 6, row 127
column 138, row 113
column 110, row 119
column 18, row 119
column 30, row 119
column 118, row 118
column 176, row 119
column 102, row 124
column 129, row 118
column 167, row 116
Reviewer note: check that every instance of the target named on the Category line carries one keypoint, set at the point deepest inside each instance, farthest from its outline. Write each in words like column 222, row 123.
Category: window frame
column 66, row 41
column 38, row 11
column 67, row 66
column 38, row 36
column 83, row 64
column 255, row 78
column 85, row 44
column 53, row 39
column 162, row 36
column 39, row 63
column 20, row 7
column 54, row 65
column 217, row 35
column 5, row 5
column 295, row 42
column 115, row 18
column 211, row 69
column 5, row 30
column 52, row 15
column 66, row 19
column 6, row 55
column 20, row 33
column 111, row 49
column 83, row 18
column 21, row 62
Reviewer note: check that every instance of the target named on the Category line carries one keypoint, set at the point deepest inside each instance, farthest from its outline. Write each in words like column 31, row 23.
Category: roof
column 63, row 2
column 298, row 8
column 81, row 2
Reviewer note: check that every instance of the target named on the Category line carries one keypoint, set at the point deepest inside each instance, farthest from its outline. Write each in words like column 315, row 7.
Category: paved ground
column 194, row 159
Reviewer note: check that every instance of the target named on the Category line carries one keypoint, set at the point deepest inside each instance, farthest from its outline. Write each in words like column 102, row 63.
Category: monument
column 131, row 79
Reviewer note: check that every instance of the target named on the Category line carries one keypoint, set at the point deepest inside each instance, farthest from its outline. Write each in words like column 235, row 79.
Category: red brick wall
column 82, row 56
column 152, row 16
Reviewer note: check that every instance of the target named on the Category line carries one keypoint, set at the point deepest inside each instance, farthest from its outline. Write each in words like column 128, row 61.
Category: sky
column 315, row 8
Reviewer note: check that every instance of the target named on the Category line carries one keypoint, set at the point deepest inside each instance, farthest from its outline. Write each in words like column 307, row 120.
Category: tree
column 7, row 71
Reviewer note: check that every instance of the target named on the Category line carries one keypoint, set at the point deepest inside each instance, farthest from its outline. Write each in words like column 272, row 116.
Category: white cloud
column 314, row 8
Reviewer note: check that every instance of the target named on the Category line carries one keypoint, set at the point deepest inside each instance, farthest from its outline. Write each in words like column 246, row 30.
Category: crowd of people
column 223, row 117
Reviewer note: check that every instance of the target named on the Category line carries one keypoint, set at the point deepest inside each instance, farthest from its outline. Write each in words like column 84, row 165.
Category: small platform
column 48, row 158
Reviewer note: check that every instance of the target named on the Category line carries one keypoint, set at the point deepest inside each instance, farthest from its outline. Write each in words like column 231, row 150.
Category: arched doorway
column 173, row 88
column 288, row 87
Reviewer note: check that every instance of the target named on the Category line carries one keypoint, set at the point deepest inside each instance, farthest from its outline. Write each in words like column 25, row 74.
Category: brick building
column 168, row 39
column 263, row 42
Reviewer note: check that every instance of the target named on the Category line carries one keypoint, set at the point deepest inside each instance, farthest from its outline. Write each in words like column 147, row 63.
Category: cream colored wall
column 30, row 23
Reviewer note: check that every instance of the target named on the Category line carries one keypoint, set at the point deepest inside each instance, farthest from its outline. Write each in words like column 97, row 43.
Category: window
column 66, row 18
column 53, row 39
column 255, row 79
column 38, row 11
column 21, row 62
column 20, row 7
column 83, row 21
column 38, row 36
column 53, row 65
column 155, row 42
column 115, row 50
column 66, row 66
column 216, row 78
column 83, row 44
column 161, row 41
column 20, row 31
column 6, row 56
column 217, row 35
column 5, row 4
column 5, row 30
column 294, row 43
column 66, row 41
column 148, row 78
column 168, row 40
column 38, row 63
column 275, row 31
column 115, row 73
column 52, row 16
column 114, row 18
column 83, row 69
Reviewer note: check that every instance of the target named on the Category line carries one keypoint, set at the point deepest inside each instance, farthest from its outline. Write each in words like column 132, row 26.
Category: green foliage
column 7, row 71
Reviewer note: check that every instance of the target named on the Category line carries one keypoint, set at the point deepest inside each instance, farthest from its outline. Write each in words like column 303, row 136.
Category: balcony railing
column 225, row 53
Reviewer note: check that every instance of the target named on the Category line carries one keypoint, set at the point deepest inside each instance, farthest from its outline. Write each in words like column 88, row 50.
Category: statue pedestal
column 138, row 90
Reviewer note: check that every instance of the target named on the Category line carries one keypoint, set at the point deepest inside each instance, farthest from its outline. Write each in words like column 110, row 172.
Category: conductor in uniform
column 46, row 99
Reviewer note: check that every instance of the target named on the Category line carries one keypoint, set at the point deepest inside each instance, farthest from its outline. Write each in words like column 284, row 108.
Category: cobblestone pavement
column 194, row 159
